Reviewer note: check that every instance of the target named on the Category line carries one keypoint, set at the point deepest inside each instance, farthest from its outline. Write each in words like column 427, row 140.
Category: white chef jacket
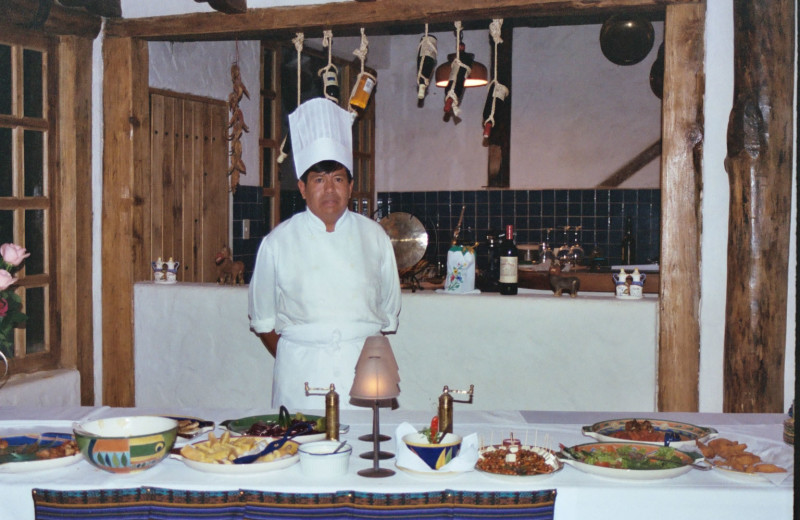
column 324, row 293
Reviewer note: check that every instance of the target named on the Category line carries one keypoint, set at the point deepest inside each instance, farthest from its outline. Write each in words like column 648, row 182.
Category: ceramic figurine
column 228, row 271
column 559, row 283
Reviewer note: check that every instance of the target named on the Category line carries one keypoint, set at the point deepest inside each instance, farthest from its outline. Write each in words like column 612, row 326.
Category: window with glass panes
column 279, row 97
column 26, row 154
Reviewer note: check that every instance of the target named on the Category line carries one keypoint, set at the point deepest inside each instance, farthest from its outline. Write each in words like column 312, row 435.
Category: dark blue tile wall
column 600, row 213
column 248, row 203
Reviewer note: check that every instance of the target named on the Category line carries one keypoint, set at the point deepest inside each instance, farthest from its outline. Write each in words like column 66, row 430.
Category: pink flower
column 6, row 279
column 13, row 254
column 3, row 307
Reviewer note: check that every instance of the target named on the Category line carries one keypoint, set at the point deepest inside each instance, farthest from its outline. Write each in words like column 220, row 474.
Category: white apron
column 319, row 354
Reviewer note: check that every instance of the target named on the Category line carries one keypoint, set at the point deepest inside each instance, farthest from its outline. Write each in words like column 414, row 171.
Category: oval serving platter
column 241, row 425
column 23, row 443
column 689, row 433
column 240, row 469
column 550, row 458
column 572, row 455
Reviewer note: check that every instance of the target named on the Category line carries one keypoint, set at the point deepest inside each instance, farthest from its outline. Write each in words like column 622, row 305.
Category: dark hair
column 328, row 166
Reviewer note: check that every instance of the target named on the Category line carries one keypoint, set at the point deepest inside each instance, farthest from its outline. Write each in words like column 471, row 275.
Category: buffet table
column 696, row 494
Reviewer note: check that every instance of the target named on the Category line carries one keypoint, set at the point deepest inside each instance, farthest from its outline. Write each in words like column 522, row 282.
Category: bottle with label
column 628, row 244
column 362, row 90
column 330, row 82
column 426, row 61
column 509, row 259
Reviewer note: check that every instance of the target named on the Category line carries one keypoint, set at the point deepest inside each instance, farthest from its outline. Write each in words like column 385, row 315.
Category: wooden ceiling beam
column 49, row 17
column 350, row 16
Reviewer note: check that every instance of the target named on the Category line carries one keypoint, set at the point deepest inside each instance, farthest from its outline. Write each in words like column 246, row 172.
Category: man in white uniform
column 325, row 279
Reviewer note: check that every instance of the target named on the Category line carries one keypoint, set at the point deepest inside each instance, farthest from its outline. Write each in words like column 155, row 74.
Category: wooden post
column 682, row 147
column 126, row 133
column 759, row 165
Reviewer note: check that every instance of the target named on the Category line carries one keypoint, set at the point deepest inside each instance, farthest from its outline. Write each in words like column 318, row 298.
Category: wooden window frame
column 50, row 356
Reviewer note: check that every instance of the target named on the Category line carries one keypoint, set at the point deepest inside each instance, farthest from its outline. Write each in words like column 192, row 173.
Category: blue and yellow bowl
column 126, row 444
column 434, row 455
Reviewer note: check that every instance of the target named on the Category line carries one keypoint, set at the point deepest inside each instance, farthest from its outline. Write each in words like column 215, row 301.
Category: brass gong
column 408, row 236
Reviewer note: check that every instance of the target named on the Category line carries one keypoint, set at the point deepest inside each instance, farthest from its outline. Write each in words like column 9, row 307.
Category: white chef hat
column 321, row 131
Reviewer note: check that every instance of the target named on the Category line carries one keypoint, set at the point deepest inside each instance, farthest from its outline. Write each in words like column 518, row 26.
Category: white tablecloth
column 696, row 494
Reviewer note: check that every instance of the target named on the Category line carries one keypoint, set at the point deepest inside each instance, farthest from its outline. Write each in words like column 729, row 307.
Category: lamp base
column 382, row 455
column 376, row 472
column 370, row 437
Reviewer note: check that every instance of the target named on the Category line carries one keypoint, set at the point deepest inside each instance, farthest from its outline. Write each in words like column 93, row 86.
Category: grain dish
column 517, row 462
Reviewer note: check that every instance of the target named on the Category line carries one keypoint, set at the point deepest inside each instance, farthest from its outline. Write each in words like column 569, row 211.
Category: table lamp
column 376, row 382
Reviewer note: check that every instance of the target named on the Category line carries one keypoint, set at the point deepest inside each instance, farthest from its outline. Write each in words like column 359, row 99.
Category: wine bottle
column 495, row 98
column 628, row 244
column 426, row 61
column 362, row 90
column 330, row 82
column 458, row 77
column 509, row 259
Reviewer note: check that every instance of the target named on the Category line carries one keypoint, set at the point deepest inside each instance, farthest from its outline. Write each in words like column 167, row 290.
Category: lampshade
column 377, row 375
column 377, row 346
column 478, row 77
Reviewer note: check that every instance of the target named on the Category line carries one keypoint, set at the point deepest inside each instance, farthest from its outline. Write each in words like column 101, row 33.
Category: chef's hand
column 270, row 340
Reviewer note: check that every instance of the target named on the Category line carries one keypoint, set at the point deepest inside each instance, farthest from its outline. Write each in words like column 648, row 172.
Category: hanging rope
column 361, row 52
column 426, row 60
column 454, row 68
column 495, row 89
column 298, row 45
column 329, row 73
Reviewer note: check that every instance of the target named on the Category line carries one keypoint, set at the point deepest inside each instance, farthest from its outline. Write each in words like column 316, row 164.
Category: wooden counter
column 591, row 281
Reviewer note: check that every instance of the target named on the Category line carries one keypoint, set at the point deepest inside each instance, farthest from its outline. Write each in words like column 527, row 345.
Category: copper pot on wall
column 625, row 39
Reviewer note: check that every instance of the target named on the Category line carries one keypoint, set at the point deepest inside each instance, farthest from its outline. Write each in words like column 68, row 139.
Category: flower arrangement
column 11, row 315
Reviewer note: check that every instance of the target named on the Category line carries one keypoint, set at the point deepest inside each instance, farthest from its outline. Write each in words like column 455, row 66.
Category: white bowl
column 318, row 460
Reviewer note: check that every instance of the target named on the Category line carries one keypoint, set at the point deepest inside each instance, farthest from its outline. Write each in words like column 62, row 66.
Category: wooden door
column 188, row 217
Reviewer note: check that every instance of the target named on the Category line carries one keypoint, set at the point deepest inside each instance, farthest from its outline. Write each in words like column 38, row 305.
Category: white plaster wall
column 576, row 117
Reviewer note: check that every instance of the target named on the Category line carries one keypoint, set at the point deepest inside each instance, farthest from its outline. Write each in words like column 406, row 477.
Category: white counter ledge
column 193, row 347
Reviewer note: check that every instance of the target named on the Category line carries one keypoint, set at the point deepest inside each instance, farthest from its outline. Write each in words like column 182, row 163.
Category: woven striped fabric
column 162, row 504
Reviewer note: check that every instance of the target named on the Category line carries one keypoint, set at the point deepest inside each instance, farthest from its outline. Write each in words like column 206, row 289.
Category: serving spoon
column 291, row 432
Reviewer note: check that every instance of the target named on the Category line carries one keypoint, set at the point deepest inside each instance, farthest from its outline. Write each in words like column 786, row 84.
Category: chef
column 327, row 278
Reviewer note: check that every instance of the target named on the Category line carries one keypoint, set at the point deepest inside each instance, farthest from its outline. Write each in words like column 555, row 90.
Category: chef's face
column 327, row 194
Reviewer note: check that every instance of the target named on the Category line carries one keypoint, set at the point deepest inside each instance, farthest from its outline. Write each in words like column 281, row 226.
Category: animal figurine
column 228, row 271
column 560, row 283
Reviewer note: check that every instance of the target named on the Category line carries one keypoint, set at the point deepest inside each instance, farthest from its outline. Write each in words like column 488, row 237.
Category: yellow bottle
column 365, row 83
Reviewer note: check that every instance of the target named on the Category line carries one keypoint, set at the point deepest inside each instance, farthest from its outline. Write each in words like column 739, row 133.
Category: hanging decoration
column 329, row 73
column 236, row 124
column 365, row 82
column 286, row 144
column 426, row 62
column 497, row 92
column 459, row 71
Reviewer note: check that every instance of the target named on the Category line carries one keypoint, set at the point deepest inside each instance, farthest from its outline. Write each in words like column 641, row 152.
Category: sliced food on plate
column 734, row 456
column 216, row 454
column 275, row 425
column 677, row 434
column 191, row 427
column 37, row 451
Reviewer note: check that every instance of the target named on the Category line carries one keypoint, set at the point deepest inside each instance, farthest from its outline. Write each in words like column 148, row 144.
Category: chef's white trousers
column 319, row 354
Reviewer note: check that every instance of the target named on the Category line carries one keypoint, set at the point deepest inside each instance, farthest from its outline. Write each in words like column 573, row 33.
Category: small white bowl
column 318, row 460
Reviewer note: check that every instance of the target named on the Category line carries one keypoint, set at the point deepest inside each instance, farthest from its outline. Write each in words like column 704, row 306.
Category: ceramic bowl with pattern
column 126, row 444
column 434, row 455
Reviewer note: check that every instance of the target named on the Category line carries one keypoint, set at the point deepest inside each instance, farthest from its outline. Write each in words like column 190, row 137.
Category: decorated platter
column 270, row 422
column 18, row 454
column 629, row 460
column 283, row 461
column 191, row 427
column 614, row 430
column 529, row 463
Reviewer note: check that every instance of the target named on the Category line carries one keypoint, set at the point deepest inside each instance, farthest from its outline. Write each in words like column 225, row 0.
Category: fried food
column 225, row 449
column 730, row 454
